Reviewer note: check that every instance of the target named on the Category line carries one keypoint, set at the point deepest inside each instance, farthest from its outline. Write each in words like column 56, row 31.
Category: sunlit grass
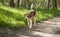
column 14, row 17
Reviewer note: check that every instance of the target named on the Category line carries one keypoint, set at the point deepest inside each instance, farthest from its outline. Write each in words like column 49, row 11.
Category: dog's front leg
column 34, row 21
column 28, row 23
column 30, row 26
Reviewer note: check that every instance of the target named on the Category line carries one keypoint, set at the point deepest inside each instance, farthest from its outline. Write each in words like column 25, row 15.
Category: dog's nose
column 25, row 19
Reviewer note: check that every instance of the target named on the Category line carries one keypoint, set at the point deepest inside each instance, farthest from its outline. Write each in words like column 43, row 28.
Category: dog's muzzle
column 25, row 18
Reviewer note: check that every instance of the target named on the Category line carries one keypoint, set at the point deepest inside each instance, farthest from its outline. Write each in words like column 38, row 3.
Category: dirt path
column 48, row 28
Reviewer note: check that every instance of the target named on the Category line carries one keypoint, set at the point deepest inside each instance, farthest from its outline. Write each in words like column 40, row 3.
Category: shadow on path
column 48, row 28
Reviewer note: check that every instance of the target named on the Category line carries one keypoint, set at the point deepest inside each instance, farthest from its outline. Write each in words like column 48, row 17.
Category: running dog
column 31, row 17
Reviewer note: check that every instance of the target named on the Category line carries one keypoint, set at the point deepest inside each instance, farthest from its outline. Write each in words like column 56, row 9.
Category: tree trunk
column 28, row 4
column 3, row 2
column 54, row 4
column 18, row 3
column 59, row 3
column 48, row 3
column 12, row 3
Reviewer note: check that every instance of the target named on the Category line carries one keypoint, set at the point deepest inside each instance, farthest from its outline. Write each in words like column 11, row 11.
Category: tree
column 58, row 1
column 28, row 4
column 48, row 3
column 17, row 3
column 54, row 4
column 3, row 1
column 12, row 3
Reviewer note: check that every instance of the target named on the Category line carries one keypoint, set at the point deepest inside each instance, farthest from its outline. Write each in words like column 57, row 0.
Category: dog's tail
column 32, row 6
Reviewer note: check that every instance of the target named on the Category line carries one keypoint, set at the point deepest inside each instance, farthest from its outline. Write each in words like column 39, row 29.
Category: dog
column 31, row 17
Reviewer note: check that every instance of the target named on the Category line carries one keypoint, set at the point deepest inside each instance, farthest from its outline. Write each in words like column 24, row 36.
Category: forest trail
column 47, row 28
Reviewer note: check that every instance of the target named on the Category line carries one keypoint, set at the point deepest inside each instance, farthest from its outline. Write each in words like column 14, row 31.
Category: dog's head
column 25, row 17
column 30, row 14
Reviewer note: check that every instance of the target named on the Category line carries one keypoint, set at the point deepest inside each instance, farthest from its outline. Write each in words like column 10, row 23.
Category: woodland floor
column 47, row 28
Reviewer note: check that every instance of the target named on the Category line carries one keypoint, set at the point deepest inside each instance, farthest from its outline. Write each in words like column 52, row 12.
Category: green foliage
column 11, row 17
column 14, row 18
column 45, row 13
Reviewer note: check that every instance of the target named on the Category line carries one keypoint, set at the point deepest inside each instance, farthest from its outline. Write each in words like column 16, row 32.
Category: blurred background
column 27, row 3
column 12, row 11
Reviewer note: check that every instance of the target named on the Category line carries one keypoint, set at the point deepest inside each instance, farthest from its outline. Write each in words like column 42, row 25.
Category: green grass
column 14, row 17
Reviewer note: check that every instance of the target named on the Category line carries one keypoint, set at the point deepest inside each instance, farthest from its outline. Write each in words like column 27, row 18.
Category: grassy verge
column 13, row 17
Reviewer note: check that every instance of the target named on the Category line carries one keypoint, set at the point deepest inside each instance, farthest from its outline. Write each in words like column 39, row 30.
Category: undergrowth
column 14, row 17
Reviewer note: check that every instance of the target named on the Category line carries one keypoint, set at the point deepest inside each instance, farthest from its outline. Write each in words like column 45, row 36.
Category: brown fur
column 31, row 17
column 30, row 14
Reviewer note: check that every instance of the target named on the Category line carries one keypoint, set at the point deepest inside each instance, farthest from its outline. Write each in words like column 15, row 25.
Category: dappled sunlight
column 14, row 10
column 15, row 16
column 11, row 18
column 29, row 18
column 42, row 34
